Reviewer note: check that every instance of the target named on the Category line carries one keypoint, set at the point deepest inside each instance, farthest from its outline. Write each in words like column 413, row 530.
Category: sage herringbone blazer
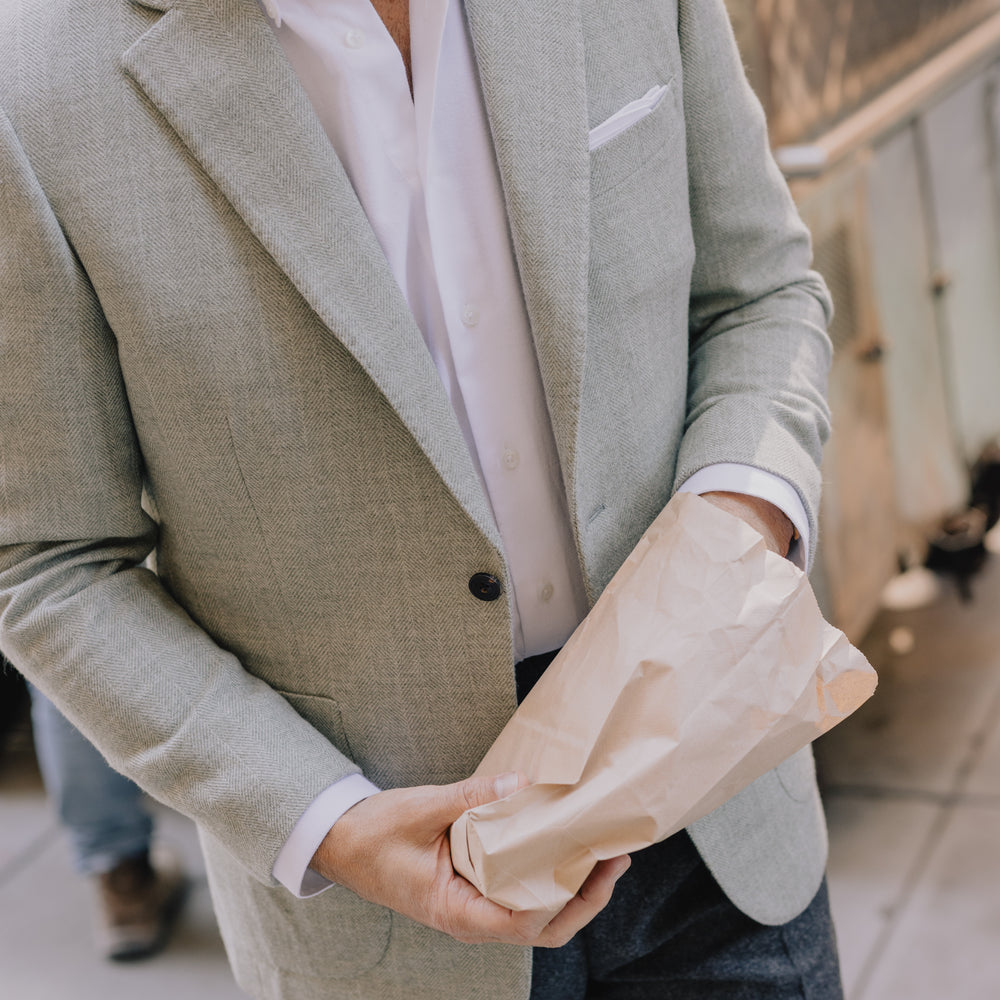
column 204, row 356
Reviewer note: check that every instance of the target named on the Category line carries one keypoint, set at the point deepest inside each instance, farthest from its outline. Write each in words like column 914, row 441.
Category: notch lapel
column 218, row 75
column 531, row 64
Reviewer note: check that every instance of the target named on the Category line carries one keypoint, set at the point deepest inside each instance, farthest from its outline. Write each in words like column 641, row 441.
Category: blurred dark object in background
column 986, row 484
column 959, row 548
column 13, row 700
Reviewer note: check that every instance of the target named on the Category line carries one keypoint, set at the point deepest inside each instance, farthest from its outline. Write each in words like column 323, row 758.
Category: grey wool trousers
column 670, row 933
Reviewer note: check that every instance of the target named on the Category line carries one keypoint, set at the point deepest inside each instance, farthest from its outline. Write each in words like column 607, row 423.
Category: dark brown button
column 485, row 587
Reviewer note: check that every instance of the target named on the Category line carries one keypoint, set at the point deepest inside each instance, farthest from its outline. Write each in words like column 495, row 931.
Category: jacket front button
column 485, row 587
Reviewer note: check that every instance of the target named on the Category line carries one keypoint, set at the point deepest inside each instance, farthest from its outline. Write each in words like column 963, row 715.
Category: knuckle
column 467, row 794
column 474, row 791
column 597, row 899
column 598, row 894
column 524, row 937
column 524, row 932
column 555, row 938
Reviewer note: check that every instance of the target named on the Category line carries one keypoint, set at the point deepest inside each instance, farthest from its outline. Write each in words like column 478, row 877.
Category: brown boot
column 137, row 906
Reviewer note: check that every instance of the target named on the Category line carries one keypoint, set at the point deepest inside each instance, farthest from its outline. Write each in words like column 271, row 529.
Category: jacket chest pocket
column 641, row 132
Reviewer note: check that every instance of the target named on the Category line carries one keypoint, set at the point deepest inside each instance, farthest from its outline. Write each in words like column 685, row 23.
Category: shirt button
column 511, row 459
column 545, row 593
column 470, row 315
column 354, row 38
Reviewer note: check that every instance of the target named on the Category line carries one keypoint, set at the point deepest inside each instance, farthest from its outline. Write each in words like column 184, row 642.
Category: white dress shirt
column 425, row 173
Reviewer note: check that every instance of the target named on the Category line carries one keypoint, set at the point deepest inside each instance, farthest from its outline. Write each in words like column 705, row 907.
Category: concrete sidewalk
column 912, row 785
column 912, row 792
column 45, row 945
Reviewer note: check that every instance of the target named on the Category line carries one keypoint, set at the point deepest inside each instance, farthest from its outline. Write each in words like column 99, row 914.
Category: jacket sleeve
column 758, row 314
column 80, row 615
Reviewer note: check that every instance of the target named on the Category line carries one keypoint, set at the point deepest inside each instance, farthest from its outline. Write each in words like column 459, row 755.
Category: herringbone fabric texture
column 203, row 355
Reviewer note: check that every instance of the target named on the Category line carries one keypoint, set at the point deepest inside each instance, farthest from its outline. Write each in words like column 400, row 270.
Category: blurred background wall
column 812, row 62
column 885, row 116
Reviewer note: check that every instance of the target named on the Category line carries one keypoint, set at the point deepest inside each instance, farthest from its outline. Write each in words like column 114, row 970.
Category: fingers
column 594, row 895
column 483, row 921
column 393, row 849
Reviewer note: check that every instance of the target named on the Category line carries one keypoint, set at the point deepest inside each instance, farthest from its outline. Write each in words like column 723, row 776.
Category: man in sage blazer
column 207, row 357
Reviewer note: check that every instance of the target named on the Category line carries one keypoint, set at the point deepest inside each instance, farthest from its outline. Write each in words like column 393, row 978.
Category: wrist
column 764, row 517
column 340, row 847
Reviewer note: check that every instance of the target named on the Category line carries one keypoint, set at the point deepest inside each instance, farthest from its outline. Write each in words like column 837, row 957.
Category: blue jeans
column 102, row 811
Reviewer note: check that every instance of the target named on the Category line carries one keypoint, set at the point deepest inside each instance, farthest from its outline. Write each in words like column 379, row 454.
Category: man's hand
column 762, row 516
column 393, row 849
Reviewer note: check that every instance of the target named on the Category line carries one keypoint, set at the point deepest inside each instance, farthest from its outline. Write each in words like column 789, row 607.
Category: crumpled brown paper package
column 705, row 663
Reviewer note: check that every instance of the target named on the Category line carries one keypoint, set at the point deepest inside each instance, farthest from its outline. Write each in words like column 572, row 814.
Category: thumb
column 479, row 790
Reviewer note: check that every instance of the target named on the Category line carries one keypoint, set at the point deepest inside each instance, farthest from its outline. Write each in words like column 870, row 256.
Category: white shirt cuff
column 291, row 868
column 730, row 477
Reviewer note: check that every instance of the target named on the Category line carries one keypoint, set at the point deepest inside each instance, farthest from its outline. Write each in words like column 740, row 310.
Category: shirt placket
column 493, row 353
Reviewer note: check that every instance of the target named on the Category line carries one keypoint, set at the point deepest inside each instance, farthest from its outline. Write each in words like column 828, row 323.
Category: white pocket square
column 627, row 116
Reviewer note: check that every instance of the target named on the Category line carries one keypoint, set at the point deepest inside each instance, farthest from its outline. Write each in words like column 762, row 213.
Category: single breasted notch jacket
column 204, row 357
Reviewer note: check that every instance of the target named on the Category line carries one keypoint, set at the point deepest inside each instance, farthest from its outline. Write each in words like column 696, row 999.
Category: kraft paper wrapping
column 705, row 663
